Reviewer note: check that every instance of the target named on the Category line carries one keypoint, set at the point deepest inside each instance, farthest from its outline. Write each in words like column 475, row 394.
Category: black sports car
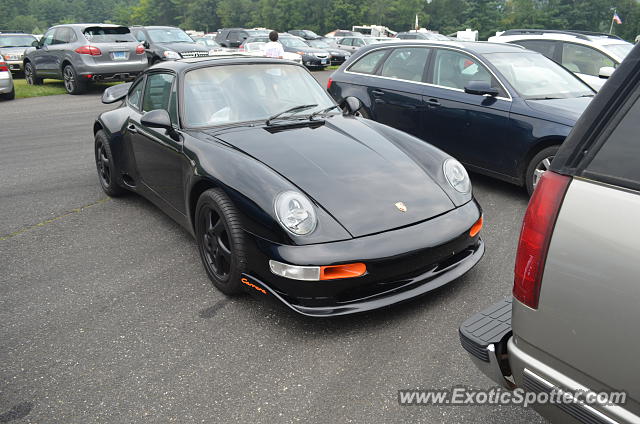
column 287, row 195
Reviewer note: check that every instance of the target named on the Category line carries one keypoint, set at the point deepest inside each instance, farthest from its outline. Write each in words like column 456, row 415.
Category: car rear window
column 618, row 160
column 98, row 34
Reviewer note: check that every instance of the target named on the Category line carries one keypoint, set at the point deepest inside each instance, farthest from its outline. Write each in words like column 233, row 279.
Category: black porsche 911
column 288, row 195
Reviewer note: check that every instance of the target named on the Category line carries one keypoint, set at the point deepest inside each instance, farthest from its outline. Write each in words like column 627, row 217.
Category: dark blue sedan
column 500, row 109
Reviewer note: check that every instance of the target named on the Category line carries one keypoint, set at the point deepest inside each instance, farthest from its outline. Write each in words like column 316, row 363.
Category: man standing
column 274, row 48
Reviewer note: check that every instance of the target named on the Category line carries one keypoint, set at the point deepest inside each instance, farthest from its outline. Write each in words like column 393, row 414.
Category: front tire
column 538, row 165
column 72, row 83
column 221, row 241
column 106, row 166
column 30, row 75
column 10, row 95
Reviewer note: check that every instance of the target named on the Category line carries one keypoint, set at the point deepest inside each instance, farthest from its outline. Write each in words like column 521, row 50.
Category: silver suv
column 572, row 326
column 82, row 53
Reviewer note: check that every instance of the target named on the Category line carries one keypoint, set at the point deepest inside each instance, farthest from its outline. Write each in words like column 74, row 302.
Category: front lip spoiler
column 426, row 282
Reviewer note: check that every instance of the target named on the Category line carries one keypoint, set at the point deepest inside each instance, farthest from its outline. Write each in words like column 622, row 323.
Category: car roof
column 480, row 47
column 576, row 38
column 155, row 26
column 81, row 26
column 181, row 65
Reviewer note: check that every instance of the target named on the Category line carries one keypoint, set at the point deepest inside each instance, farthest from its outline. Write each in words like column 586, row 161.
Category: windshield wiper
column 293, row 109
column 323, row 111
column 545, row 98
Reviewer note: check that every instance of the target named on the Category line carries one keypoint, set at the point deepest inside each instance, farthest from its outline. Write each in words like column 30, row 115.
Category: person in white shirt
column 274, row 48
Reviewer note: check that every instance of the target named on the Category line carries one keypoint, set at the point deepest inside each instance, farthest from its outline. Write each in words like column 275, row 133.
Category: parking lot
column 107, row 315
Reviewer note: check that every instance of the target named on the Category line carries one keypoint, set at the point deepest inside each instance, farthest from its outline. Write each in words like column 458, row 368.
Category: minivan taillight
column 140, row 49
column 535, row 236
column 4, row 67
column 329, row 83
column 90, row 50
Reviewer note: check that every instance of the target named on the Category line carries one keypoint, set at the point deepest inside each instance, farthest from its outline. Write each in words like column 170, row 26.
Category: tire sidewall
column 78, row 87
column 113, row 189
column 218, row 201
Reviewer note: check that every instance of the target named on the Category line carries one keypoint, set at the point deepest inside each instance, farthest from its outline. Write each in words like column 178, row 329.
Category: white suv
column 592, row 56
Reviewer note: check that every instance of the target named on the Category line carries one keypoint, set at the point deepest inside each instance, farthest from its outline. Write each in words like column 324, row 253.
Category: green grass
column 50, row 88
column 332, row 68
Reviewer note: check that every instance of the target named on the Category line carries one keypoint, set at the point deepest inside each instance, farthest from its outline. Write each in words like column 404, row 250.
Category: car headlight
column 296, row 213
column 12, row 57
column 456, row 175
column 170, row 54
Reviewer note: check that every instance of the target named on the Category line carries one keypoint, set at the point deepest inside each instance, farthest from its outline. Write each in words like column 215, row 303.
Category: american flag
column 616, row 18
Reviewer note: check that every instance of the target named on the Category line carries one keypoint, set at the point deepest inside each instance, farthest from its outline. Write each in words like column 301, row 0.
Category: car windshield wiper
column 545, row 98
column 323, row 111
column 290, row 110
column 588, row 95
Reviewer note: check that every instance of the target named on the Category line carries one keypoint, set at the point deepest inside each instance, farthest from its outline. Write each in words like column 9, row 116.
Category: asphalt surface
column 107, row 316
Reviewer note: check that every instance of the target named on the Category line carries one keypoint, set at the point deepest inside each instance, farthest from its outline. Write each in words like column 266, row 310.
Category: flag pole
column 614, row 14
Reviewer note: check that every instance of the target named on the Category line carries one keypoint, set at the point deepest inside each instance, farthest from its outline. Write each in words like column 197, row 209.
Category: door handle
column 433, row 103
column 132, row 128
column 377, row 93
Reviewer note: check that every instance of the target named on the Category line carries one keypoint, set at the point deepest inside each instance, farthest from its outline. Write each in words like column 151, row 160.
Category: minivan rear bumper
column 488, row 338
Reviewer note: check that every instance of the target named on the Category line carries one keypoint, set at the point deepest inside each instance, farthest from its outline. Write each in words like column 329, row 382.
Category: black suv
column 233, row 37
column 167, row 43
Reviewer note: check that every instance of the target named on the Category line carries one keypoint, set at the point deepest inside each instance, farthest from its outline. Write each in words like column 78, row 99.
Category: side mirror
column 35, row 44
column 480, row 88
column 606, row 71
column 145, row 44
column 115, row 93
column 352, row 105
column 158, row 118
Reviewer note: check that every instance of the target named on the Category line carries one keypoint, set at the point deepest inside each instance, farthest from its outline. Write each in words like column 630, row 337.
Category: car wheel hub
column 102, row 162
column 216, row 245
column 542, row 167
column 69, row 80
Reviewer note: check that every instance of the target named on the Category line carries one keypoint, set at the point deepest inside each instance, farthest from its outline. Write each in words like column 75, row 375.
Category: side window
column 346, row 41
column 139, row 35
column 157, row 92
column 583, row 59
column 617, row 160
column 63, row 36
column 233, row 36
column 406, row 64
column 135, row 94
column 547, row 48
column 358, row 42
column 173, row 105
column 455, row 70
column 47, row 38
column 368, row 63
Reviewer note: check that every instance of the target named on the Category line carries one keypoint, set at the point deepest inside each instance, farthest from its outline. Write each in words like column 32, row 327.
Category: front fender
column 253, row 187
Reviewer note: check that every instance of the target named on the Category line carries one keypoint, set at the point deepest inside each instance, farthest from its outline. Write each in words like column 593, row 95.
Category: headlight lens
column 12, row 57
column 456, row 175
column 170, row 54
column 296, row 213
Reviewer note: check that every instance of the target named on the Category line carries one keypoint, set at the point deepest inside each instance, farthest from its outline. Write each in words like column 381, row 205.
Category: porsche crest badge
column 401, row 207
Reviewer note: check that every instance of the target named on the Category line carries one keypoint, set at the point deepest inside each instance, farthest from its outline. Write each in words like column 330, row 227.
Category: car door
column 43, row 59
column 62, row 37
column 397, row 97
column 473, row 128
column 158, row 156
column 585, row 62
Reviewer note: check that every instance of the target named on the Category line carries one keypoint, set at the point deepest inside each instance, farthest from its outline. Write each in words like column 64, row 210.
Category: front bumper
column 315, row 62
column 338, row 60
column 15, row 65
column 401, row 264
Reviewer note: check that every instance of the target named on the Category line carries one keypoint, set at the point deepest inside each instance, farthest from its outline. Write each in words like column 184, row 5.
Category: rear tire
column 538, row 165
column 106, row 167
column 221, row 241
column 72, row 83
column 30, row 75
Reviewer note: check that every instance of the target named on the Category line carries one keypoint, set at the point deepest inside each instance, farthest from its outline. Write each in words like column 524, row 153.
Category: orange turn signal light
column 333, row 272
column 475, row 229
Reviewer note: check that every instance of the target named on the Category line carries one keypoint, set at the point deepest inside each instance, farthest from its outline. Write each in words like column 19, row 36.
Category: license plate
column 324, row 61
column 119, row 55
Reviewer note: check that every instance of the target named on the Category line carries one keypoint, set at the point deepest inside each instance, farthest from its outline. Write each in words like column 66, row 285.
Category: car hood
column 13, row 50
column 305, row 50
column 564, row 111
column 185, row 47
column 356, row 174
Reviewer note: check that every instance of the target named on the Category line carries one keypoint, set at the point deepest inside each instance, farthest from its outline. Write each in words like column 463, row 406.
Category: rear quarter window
column 618, row 160
column 368, row 63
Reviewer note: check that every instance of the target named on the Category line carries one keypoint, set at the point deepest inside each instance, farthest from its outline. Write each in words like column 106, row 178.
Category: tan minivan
column 573, row 325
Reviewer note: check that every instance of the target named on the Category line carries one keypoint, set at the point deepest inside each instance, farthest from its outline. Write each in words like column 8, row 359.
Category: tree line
column 445, row 16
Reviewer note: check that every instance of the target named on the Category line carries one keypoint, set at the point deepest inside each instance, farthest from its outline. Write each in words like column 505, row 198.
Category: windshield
column 108, row 34
column 222, row 95
column 319, row 44
column 292, row 42
column 169, row 35
column 620, row 50
column 255, row 47
column 308, row 33
column 534, row 76
column 207, row 42
column 16, row 40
